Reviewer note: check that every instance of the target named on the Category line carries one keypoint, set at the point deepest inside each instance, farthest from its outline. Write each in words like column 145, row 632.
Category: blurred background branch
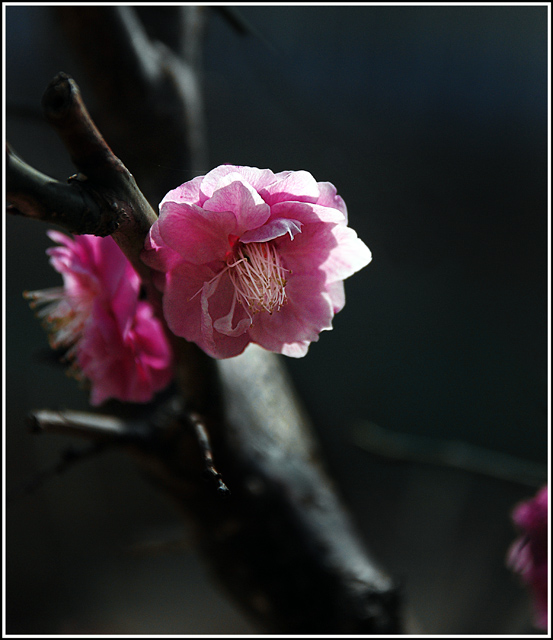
column 155, row 114
column 459, row 455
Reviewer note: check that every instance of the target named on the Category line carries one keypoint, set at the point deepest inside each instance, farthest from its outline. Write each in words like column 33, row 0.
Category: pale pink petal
column 307, row 312
column 309, row 250
column 348, row 256
column 306, row 212
column 156, row 254
column 191, row 308
column 225, row 323
column 199, row 236
column 295, row 349
column 291, row 186
column 220, row 312
column 181, row 299
column 329, row 198
column 257, row 178
column 239, row 197
column 334, row 249
column 159, row 257
column 337, row 295
column 271, row 230
column 187, row 193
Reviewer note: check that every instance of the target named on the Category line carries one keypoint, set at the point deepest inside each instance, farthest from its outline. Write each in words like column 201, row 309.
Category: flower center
column 258, row 277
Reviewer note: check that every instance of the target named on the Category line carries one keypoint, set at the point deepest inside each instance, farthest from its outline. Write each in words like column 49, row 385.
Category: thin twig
column 205, row 446
column 448, row 453
column 92, row 426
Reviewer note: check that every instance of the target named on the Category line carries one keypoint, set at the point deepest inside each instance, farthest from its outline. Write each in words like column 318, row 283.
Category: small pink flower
column 245, row 255
column 112, row 338
column 528, row 555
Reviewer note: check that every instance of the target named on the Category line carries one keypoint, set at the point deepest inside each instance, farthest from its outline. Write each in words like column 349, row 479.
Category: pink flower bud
column 245, row 255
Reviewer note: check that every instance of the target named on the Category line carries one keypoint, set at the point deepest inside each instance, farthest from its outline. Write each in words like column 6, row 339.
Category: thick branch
column 36, row 195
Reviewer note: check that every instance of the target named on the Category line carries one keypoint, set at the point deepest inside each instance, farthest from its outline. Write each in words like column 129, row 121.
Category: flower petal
column 348, row 256
column 199, row 236
column 156, row 254
column 291, row 186
column 181, row 299
column 187, row 193
column 309, row 250
column 214, row 343
column 306, row 212
column 337, row 295
column 271, row 230
column 239, row 197
column 257, row 178
column 307, row 312
column 329, row 198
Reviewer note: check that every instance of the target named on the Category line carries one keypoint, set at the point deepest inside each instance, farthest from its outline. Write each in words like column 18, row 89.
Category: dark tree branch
column 99, row 167
column 153, row 93
column 92, row 426
column 98, row 198
column 35, row 195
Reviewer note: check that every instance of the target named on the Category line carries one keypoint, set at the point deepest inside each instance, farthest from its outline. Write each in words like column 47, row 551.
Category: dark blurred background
column 432, row 123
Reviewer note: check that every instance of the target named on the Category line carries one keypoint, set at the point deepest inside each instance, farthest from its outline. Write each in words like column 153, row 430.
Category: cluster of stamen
column 258, row 276
column 62, row 321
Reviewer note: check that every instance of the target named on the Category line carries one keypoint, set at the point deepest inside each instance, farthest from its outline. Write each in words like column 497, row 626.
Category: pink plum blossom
column 246, row 255
column 528, row 555
column 112, row 338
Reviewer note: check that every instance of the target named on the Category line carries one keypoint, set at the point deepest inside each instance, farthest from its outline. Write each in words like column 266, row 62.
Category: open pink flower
column 528, row 554
column 112, row 338
column 245, row 255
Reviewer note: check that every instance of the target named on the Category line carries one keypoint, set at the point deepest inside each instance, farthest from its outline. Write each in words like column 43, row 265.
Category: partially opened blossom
column 246, row 255
column 528, row 555
column 111, row 337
